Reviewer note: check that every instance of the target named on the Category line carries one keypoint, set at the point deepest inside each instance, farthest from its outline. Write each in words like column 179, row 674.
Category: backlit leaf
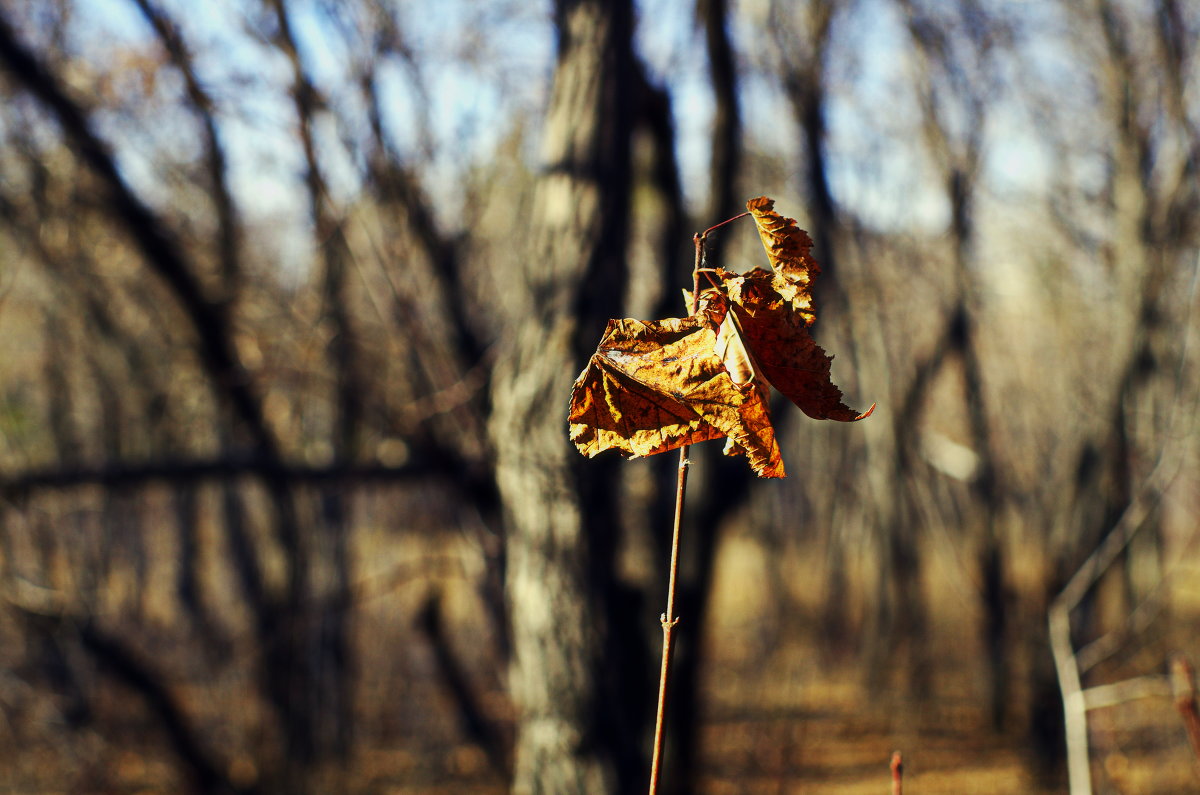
column 652, row 386
column 788, row 248
column 775, row 309
column 777, row 336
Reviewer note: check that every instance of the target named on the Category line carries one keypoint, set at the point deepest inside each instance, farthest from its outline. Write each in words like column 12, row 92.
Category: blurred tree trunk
column 1144, row 248
column 802, row 37
column 953, row 57
column 1150, row 158
column 329, row 644
column 723, row 199
column 557, row 299
column 286, row 670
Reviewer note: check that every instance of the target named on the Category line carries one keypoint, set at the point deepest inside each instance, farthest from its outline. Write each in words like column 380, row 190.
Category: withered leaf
column 652, row 386
column 777, row 337
column 788, row 248
column 775, row 308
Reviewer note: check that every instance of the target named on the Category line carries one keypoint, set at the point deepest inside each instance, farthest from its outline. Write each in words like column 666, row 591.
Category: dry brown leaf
column 652, row 386
column 785, row 354
column 788, row 248
column 731, row 350
column 774, row 309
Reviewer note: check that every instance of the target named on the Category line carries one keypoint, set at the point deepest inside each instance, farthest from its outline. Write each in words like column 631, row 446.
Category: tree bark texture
column 557, row 300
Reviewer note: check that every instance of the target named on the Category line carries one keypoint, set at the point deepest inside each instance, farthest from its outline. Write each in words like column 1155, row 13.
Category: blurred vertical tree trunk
column 723, row 200
column 1145, row 190
column 557, row 299
column 329, row 645
column 952, row 55
column 1138, row 56
column 286, row 670
column 802, row 37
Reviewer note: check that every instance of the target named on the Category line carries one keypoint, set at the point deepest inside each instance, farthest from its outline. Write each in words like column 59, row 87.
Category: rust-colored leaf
column 652, row 386
column 775, row 309
column 788, row 248
column 777, row 337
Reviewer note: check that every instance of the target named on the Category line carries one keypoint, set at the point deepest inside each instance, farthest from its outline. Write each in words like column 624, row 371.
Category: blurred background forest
column 292, row 294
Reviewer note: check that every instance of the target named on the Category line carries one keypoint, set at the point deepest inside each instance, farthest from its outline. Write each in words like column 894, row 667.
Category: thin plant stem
column 897, row 774
column 668, row 619
column 704, row 234
column 1183, row 680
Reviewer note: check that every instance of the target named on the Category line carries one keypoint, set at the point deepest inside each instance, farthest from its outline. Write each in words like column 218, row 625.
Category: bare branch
column 149, row 233
column 228, row 228
column 179, row 471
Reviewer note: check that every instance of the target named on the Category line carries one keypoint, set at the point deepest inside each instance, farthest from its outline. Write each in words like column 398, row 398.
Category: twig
column 162, row 252
column 1183, row 683
column 1079, row 773
column 1066, row 660
column 897, row 773
column 1070, row 664
column 185, row 739
column 121, row 474
column 119, row 661
column 701, row 237
column 668, row 618
column 1101, row 696
column 1130, row 522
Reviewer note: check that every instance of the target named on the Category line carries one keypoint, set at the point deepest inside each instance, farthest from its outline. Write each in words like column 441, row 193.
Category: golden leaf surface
column 788, row 248
column 652, row 386
column 777, row 338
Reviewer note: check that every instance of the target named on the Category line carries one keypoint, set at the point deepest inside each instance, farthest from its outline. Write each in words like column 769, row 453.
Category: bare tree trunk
column 805, row 77
column 802, row 36
column 557, row 300
column 941, row 68
column 228, row 227
column 285, row 670
column 329, row 644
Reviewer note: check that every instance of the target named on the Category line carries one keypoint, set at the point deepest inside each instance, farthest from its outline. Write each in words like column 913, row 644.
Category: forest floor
column 782, row 714
column 783, row 711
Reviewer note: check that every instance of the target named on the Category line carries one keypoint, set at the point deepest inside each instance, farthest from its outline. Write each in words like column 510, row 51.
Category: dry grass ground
column 782, row 713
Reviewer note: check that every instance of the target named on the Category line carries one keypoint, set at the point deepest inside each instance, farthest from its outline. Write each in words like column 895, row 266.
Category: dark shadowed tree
column 556, row 300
